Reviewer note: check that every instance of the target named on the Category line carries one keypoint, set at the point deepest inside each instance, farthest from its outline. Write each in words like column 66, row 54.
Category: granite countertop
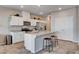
column 16, row 31
column 38, row 33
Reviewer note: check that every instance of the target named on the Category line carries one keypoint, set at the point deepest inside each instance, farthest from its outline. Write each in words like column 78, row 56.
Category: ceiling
column 41, row 10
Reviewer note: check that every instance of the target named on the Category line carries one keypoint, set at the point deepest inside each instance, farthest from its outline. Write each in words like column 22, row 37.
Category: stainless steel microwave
column 27, row 23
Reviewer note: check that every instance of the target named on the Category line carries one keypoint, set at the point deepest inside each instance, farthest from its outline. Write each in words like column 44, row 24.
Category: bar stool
column 55, row 40
column 47, row 43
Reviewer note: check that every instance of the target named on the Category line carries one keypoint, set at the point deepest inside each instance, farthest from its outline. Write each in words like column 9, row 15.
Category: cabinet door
column 14, row 21
column 17, row 37
column 68, row 28
column 64, row 26
column 20, row 21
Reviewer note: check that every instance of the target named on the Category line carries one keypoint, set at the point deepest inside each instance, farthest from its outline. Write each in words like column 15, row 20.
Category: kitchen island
column 34, row 41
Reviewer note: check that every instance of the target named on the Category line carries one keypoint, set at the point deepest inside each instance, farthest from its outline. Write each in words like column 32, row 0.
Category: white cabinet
column 17, row 37
column 26, row 15
column 16, row 20
column 13, row 21
column 20, row 21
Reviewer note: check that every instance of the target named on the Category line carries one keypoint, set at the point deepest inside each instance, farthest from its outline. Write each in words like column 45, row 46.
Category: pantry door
column 64, row 27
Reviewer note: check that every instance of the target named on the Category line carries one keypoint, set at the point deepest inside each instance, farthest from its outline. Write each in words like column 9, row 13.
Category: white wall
column 4, row 19
column 77, row 24
column 7, row 11
column 4, row 25
column 65, row 23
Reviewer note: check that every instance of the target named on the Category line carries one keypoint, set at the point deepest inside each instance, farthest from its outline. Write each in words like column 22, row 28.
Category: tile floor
column 63, row 47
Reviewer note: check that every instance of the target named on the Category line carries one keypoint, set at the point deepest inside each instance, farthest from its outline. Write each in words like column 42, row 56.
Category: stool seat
column 53, row 36
column 47, row 38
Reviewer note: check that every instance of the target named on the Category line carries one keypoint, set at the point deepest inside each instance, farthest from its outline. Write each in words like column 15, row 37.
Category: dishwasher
column 8, row 39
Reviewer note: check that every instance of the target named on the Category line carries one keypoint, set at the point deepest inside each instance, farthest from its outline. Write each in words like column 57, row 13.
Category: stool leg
column 52, row 45
column 46, row 44
column 49, row 46
column 43, row 44
column 56, row 42
column 49, row 49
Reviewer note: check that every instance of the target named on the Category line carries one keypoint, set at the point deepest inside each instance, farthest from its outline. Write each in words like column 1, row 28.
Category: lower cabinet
column 17, row 37
column 33, row 43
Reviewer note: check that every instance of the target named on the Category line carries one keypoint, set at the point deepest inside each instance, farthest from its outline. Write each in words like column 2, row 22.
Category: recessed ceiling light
column 22, row 6
column 41, row 13
column 59, row 8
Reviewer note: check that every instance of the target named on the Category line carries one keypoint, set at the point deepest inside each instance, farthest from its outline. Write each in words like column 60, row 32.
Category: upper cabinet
column 16, row 20
column 20, row 20
column 25, row 15
column 33, row 22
